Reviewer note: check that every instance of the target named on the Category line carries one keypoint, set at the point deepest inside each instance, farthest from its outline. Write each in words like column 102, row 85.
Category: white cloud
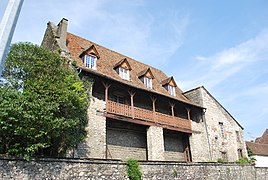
column 116, row 24
column 214, row 69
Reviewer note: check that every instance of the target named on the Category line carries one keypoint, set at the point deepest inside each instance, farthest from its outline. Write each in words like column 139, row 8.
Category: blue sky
column 222, row 45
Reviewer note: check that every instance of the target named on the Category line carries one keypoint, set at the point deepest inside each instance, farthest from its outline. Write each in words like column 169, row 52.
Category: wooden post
column 187, row 156
column 132, row 94
column 188, row 113
column 153, row 100
column 172, row 105
column 106, row 85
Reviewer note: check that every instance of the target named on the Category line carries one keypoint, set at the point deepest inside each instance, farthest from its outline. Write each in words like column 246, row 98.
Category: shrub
column 220, row 160
column 133, row 170
column 246, row 161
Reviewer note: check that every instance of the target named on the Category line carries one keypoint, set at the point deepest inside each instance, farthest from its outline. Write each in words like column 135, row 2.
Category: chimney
column 62, row 33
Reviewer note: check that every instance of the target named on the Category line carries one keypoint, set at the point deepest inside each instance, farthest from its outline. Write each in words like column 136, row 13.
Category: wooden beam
column 153, row 100
column 172, row 105
column 148, row 123
column 188, row 113
column 132, row 94
column 106, row 85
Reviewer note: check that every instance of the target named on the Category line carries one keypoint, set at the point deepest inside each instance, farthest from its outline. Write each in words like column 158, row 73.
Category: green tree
column 43, row 104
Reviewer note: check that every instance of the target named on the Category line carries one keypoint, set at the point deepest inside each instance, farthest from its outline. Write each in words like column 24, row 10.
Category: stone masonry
column 199, row 143
column 155, row 143
column 224, row 134
column 113, row 170
column 95, row 142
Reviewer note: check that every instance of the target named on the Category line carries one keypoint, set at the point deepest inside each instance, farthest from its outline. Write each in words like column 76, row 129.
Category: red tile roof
column 260, row 146
column 109, row 58
column 263, row 139
column 258, row 149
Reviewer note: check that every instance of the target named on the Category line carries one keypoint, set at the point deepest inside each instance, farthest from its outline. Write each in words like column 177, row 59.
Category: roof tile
column 107, row 61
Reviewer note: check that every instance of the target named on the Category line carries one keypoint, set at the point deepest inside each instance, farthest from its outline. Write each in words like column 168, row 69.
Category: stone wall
column 49, row 40
column 155, row 143
column 199, row 143
column 100, row 170
column 207, row 133
column 125, row 140
column 55, row 37
column 94, row 145
column 173, row 145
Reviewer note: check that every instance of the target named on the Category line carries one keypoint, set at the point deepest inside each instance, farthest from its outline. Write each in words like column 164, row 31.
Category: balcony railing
column 143, row 114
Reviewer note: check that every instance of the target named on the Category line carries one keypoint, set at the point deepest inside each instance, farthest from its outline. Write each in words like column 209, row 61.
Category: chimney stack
column 62, row 33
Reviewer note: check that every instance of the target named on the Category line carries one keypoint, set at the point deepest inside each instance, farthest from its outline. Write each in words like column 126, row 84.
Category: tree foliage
column 42, row 105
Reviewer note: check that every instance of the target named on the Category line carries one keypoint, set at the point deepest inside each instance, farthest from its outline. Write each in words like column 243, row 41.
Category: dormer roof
column 91, row 50
column 169, row 81
column 123, row 63
column 147, row 73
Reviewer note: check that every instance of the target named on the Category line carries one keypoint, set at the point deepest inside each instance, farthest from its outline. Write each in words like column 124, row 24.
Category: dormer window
column 123, row 69
column 146, row 76
column 124, row 73
column 147, row 81
column 171, row 90
column 90, row 61
column 89, row 57
column 170, row 85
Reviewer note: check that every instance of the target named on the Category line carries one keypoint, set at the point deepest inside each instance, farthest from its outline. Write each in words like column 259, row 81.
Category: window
column 171, row 90
column 224, row 156
column 240, row 153
column 237, row 136
column 90, row 61
column 221, row 129
column 124, row 73
column 148, row 82
column 119, row 99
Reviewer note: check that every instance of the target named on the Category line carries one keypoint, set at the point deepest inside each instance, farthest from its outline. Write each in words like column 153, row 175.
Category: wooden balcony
column 136, row 113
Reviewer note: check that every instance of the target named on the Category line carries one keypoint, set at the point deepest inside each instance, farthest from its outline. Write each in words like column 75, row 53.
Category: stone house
column 136, row 110
column 219, row 132
column 259, row 150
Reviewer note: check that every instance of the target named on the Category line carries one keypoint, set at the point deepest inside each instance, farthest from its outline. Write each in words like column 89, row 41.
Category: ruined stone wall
column 102, row 170
column 49, row 40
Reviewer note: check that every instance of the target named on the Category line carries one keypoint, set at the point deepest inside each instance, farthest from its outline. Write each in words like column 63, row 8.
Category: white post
column 7, row 28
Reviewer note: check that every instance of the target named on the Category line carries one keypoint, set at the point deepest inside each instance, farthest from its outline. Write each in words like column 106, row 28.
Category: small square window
column 90, row 61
